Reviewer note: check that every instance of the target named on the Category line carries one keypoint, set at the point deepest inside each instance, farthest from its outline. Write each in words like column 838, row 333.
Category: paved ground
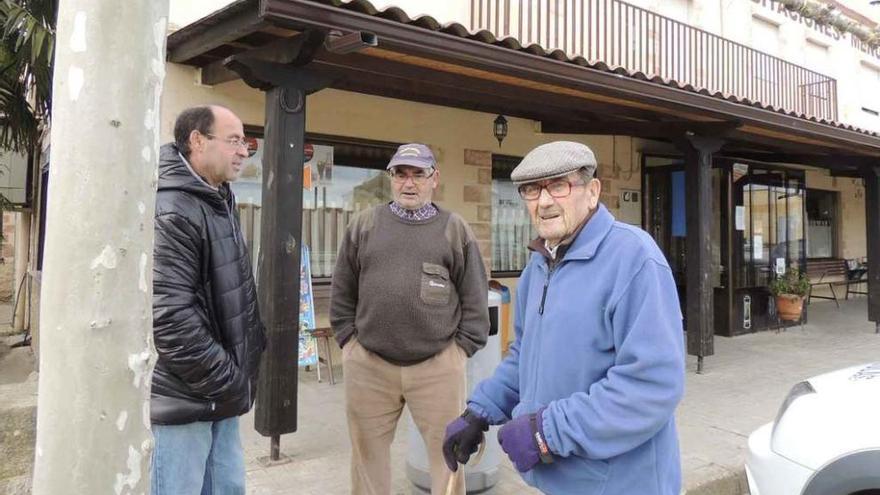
column 741, row 388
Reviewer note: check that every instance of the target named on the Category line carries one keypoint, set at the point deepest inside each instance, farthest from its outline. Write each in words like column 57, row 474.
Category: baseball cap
column 414, row 155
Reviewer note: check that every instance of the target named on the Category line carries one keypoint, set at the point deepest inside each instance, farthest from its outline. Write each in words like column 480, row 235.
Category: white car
column 825, row 440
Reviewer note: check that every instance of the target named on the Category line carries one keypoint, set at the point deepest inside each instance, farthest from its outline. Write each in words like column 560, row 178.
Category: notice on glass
column 780, row 266
column 740, row 218
column 758, row 246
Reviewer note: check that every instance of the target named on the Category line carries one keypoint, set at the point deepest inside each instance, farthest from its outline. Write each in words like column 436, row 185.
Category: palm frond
column 27, row 44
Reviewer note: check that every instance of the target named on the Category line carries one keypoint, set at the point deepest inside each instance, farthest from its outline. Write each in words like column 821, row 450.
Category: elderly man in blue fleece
column 587, row 394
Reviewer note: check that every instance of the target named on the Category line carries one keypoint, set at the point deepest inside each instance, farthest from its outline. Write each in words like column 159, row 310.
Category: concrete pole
column 19, row 289
column 96, row 303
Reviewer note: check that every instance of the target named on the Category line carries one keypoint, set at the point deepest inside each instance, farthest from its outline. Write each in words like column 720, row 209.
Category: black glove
column 463, row 437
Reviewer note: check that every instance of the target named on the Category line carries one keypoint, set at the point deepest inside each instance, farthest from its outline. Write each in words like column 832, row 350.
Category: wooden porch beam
column 653, row 129
column 836, row 161
column 228, row 30
column 351, row 69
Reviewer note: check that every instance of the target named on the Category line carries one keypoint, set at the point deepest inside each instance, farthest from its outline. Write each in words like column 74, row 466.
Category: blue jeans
column 202, row 458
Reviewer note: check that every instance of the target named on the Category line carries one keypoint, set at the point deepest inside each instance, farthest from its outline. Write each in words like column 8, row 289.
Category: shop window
column 511, row 228
column 342, row 176
column 821, row 223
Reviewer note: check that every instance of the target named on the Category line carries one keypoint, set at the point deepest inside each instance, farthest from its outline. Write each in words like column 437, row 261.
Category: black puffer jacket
column 206, row 321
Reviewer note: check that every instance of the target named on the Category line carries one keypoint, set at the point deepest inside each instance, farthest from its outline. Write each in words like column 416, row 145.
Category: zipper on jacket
column 231, row 221
column 544, row 294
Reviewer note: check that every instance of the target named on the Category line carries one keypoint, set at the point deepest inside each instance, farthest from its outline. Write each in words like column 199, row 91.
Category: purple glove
column 523, row 440
column 463, row 437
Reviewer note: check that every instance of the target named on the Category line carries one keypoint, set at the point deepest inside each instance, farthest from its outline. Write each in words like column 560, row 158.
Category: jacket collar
column 175, row 173
column 591, row 236
column 588, row 238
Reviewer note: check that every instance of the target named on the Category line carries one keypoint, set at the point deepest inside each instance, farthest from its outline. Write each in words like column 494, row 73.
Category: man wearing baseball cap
column 588, row 391
column 408, row 307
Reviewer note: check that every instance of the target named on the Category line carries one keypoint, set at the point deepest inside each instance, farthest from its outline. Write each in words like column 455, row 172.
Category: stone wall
column 477, row 191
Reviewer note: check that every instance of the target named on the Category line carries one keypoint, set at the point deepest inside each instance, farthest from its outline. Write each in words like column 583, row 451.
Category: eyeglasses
column 557, row 189
column 235, row 142
column 418, row 178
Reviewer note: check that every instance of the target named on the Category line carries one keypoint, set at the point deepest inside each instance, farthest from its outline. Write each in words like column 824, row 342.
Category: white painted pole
column 96, row 352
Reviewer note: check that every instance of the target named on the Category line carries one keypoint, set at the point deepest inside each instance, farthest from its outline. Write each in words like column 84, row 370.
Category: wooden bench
column 832, row 273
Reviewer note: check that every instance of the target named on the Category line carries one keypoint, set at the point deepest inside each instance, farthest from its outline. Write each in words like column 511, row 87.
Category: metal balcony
column 620, row 35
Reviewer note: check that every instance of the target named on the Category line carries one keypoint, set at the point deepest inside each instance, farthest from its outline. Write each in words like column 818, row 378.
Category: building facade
column 778, row 195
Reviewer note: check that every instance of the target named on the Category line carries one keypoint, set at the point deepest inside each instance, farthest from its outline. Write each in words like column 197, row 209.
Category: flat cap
column 552, row 160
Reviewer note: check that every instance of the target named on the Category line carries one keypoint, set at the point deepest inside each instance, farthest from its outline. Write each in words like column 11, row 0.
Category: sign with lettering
column 824, row 29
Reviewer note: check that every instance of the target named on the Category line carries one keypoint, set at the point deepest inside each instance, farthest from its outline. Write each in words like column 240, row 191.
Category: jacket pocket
column 435, row 285
column 572, row 474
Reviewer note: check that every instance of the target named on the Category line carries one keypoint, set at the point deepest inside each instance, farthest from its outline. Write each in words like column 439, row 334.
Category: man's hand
column 463, row 437
column 523, row 440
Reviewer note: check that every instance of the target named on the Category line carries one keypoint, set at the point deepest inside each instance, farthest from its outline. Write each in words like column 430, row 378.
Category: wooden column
column 871, row 176
column 283, row 74
column 279, row 261
column 699, row 309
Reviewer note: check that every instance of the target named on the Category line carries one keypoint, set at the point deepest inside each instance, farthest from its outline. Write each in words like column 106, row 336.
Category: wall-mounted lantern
column 500, row 129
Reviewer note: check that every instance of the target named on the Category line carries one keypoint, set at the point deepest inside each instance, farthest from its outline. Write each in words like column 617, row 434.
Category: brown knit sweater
column 407, row 288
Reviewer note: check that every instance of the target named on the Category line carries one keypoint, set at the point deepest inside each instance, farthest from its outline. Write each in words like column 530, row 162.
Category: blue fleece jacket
column 605, row 355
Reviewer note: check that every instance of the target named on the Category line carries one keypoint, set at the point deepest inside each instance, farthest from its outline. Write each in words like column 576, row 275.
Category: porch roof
column 422, row 60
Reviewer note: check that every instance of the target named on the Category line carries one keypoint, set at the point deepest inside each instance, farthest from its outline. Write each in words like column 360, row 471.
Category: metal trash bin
column 482, row 476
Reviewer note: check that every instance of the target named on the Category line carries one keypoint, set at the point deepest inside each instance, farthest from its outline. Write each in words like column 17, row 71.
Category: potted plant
column 790, row 289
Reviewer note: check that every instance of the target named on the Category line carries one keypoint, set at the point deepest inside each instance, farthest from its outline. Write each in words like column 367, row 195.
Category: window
column 765, row 35
column 679, row 10
column 511, row 228
column 821, row 214
column 870, row 91
column 344, row 176
column 765, row 38
column 816, row 56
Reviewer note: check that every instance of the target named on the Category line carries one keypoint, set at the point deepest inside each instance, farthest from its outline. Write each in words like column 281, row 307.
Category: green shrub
column 791, row 282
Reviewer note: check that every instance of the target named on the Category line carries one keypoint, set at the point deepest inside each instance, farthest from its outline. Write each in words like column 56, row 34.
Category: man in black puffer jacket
column 206, row 321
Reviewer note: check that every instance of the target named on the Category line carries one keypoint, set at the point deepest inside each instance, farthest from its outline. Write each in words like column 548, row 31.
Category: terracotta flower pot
column 789, row 306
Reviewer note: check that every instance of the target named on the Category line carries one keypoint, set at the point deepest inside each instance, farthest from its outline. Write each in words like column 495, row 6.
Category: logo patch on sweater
column 435, row 284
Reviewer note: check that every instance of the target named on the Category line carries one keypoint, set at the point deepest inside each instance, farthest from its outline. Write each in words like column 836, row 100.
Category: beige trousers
column 375, row 393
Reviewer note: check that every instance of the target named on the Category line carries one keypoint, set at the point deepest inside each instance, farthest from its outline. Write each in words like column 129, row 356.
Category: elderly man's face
column 413, row 187
column 556, row 214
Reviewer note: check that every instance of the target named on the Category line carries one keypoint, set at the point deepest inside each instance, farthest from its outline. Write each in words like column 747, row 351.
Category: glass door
column 664, row 215
column 769, row 230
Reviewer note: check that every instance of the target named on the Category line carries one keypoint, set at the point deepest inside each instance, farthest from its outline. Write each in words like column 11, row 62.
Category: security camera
column 347, row 43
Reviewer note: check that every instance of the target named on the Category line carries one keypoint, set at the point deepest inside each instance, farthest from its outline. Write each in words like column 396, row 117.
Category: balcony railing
column 623, row 35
